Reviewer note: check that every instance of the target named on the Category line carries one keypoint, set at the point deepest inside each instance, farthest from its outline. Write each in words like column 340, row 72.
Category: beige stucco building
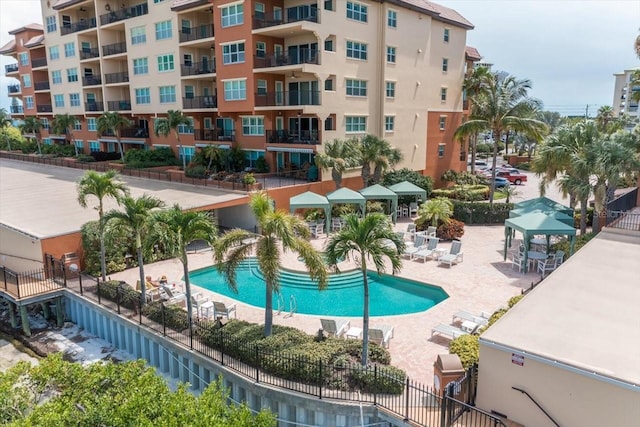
column 622, row 94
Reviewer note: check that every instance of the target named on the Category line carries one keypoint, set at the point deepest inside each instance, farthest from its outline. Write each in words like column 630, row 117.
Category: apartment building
column 274, row 77
column 623, row 102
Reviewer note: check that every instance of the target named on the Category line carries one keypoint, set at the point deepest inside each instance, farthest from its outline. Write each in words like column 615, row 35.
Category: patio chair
column 427, row 251
column 482, row 319
column 548, row 265
column 431, row 231
column 336, row 224
column 418, row 244
column 317, row 230
column 413, row 208
column 411, row 231
column 222, row 310
column 173, row 296
column 455, row 254
column 381, row 335
column 197, row 300
column 335, row 328
column 517, row 259
column 448, row 330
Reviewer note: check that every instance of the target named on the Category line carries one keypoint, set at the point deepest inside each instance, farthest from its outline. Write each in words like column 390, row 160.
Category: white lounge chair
column 455, row 254
column 222, row 310
column 381, row 335
column 431, row 231
column 197, row 300
column 409, row 250
column 335, row 328
column 173, row 296
column 427, row 251
column 448, row 330
column 482, row 319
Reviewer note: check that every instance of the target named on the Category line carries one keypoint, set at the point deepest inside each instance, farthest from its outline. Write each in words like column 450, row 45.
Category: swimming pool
column 389, row 295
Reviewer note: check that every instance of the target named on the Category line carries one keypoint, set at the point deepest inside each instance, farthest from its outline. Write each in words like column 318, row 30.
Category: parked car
column 500, row 182
column 513, row 175
column 479, row 164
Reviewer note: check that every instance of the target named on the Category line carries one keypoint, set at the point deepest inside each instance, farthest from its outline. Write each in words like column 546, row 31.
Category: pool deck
column 482, row 282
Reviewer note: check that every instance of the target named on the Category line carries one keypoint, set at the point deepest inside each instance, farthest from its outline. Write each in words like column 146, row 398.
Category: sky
column 569, row 49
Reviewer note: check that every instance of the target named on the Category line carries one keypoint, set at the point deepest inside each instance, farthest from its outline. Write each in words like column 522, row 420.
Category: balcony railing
column 213, row 135
column 281, row 60
column 121, row 77
column 113, row 49
column 93, row 52
column 94, row 106
column 16, row 109
column 91, row 80
column 14, row 88
column 290, row 15
column 287, row 98
column 196, row 33
column 38, row 62
column 122, row 105
column 196, row 68
column 41, row 85
column 83, row 24
column 11, row 68
column 200, row 102
column 289, row 136
column 122, row 14
column 129, row 133
column 45, row 108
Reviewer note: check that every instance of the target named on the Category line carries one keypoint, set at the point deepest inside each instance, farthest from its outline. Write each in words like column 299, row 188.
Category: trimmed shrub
column 451, row 230
column 383, row 380
column 102, row 156
column 84, row 158
column 174, row 317
column 138, row 158
column 467, row 348
column 514, row 300
column 467, row 192
column 197, row 171
column 565, row 245
column 481, row 213
column 58, row 150
column 526, row 166
column 119, row 292
column 394, row 177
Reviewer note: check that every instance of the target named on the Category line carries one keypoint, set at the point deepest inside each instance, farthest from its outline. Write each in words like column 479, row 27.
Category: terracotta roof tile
column 35, row 41
column 32, row 26
column 186, row 4
column 472, row 53
column 8, row 48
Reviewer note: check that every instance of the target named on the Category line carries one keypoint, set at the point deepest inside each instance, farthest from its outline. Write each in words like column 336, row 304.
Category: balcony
column 200, row 102
column 282, row 60
column 122, row 77
column 41, row 85
column 91, row 80
column 288, row 98
column 11, row 68
column 83, row 24
column 293, row 14
column 196, row 68
column 213, row 135
column 134, row 133
column 122, row 105
column 13, row 89
column 196, row 33
column 45, row 108
column 93, row 52
column 122, row 14
column 16, row 109
column 288, row 136
column 38, row 62
column 114, row 49
column 94, row 106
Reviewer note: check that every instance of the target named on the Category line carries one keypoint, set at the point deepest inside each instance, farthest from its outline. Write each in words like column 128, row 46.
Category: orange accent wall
column 59, row 245
column 282, row 195
column 435, row 165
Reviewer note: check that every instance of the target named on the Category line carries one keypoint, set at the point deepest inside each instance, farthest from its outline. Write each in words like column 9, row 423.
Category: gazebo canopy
column 540, row 208
column 406, row 188
column 378, row 192
column 544, row 201
column 310, row 200
column 347, row 196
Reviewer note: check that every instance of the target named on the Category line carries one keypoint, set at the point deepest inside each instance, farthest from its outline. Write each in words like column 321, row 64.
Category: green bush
column 481, row 213
column 174, row 316
column 313, row 214
column 84, row 158
column 394, row 177
column 475, row 192
column 577, row 215
column 374, row 206
column 119, row 292
column 139, row 158
column 29, row 146
column 526, row 166
column 58, row 150
column 384, row 380
column 467, row 348
column 451, row 230
column 565, row 245
column 118, row 243
column 249, row 179
column 197, row 171
column 514, row 300
column 261, row 165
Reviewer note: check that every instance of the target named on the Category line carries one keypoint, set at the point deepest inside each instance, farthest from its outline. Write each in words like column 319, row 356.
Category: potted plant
column 250, row 181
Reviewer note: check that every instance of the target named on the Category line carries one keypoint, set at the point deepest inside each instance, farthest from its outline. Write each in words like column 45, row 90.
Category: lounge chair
column 427, row 251
column 455, row 254
column 482, row 319
column 409, row 250
column 335, row 328
column 448, row 330
column 431, row 231
column 173, row 296
column 221, row 310
column 381, row 335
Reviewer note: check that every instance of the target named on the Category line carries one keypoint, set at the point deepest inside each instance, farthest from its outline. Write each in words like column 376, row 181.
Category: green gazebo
column 406, row 188
column 544, row 201
column 378, row 192
column 311, row 200
column 541, row 208
column 347, row 196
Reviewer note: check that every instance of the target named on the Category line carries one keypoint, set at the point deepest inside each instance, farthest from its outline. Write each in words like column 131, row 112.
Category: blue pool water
column 389, row 295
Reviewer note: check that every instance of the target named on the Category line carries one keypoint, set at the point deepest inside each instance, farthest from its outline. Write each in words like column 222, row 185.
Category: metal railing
column 45, row 108
column 200, row 102
column 16, row 109
column 14, row 89
column 41, row 85
column 281, row 60
column 39, row 62
column 122, row 105
column 198, row 32
column 213, row 135
column 113, row 49
column 121, row 77
column 195, row 68
column 31, row 283
column 289, row 136
column 93, row 52
column 83, row 24
column 290, row 15
column 11, row 68
column 623, row 220
column 125, row 13
column 91, row 80
column 288, row 98
column 94, row 106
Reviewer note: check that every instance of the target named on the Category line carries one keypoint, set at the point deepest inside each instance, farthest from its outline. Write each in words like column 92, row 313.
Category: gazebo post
column 526, row 251
column 572, row 244
column 507, row 235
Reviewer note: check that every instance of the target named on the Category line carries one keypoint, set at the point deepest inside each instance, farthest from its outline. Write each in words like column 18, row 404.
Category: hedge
column 467, row 192
column 119, row 292
column 174, row 316
column 481, row 213
column 138, row 158
column 101, row 156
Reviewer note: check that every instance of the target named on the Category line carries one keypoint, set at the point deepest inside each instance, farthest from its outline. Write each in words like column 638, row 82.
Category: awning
column 309, row 200
column 291, row 150
column 220, row 146
column 57, row 136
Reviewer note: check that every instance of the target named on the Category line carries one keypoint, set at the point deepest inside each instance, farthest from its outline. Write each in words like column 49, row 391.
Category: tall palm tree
column 435, row 211
column 113, row 122
column 63, row 124
column 504, row 107
column 32, row 125
column 604, row 118
column 475, row 85
column 5, row 122
column 175, row 229
column 381, row 154
column 279, row 231
column 166, row 125
column 363, row 240
column 136, row 219
column 213, row 154
column 339, row 155
column 101, row 186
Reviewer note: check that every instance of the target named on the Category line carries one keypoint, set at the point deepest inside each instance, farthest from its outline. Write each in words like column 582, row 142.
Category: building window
column 58, row 101
column 389, row 123
column 79, row 144
column 392, row 18
column 77, row 125
column 235, row 90
column 445, row 64
column 390, row 89
column 259, row 10
column 207, row 122
column 187, row 153
column 26, row 80
column 46, row 141
column 232, row 15
column 69, row 49
column 74, row 99
column 138, row 35
column 143, row 95
column 391, row 54
column 355, row 124
column 72, row 75
column 261, row 87
column 24, row 58
column 140, row 66
column 165, row 63
column 163, row 30
column 446, row 35
column 328, row 45
column 45, row 123
column 56, row 77
column 167, row 94
column 253, row 125
column 356, row 87
column 443, row 122
column 28, row 101
column 251, row 158
column 186, row 128
column 94, row 146
column 54, row 52
column 328, row 123
column 157, row 1
column 328, row 84
column 51, row 24
column 356, row 50
column 91, row 124
column 440, row 151
column 328, row 5
column 443, row 94
column 261, row 49
column 356, row 11
column 189, row 92
column 233, row 53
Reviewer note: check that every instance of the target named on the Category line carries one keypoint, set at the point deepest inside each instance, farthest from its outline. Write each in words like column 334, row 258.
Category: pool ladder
column 293, row 305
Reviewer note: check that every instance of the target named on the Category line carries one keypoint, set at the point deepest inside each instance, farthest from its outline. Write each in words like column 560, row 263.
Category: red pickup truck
column 514, row 176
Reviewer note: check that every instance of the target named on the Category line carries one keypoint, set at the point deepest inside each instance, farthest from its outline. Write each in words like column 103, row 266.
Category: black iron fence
column 623, row 219
column 113, row 49
column 198, row 32
column 33, row 282
column 39, row 62
column 124, row 13
column 81, row 25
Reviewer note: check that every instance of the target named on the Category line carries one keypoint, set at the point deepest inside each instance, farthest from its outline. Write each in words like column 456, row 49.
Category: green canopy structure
column 347, row 196
column 406, row 188
column 540, row 208
column 544, row 201
column 378, row 192
column 311, row 200
column 534, row 224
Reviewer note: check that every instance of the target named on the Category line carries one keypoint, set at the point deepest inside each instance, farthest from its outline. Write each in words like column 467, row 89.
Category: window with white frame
column 69, row 49
column 28, row 102
column 440, row 151
column 261, row 87
column 54, row 53
column 157, row 1
column 443, row 94
column 143, row 95
column 165, row 63
column 233, row 53
column 207, row 122
column 187, row 153
column 186, row 128
column 72, row 75
column 56, row 77
column 51, row 24
column 445, row 64
column 26, row 80
column 389, row 123
column 138, row 35
column 58, row 100
column 443, row 122
column 232, row 15
column 167, row 94
column 261, row 49
column 251, row 158
column 91, row 124
column 189, row 92
column 390, row 89
column 74, row 99
column 163, row 30
column 24, row 58
column 45, row 123
column 355, row 124
column 445, row 36
column 392, row 18
column 253, row 125
column 235, row 90
column 94, row 146
column 140, row 66
column 79, row 144
column 356, row 11
column 356, row 87
column 77, row 125
column 356, row 50
column 391, row 54
column 259, row 10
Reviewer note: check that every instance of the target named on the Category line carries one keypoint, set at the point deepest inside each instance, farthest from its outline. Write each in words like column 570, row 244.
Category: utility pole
column 586, row 112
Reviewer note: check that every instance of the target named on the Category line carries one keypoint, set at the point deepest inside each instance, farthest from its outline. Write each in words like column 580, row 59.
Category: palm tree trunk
column 492, row 187
column 39, row 148
column 121, row 149
column 103, row 252
column 337, row 178
column 184, row 158
column 365, row 312
column 187, row 285
column 474, row 143
column 143, row 287
column 366, row 173
column 377, row 174
column 583, row 216
column 268, row 310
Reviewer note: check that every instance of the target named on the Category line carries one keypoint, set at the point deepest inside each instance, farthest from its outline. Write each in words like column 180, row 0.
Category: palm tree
column 604, row 118
column 435, row 211
column 165, row 125
column 636, row 46
column 136, row 219
column 364, row 239
column 5, row 122
column 476, row 85
column 339, row 155
column 101, row 186
column 504, row 107
column 213, row 154
column 278, row 231
column 32, row 125
column 381, row 154
column 580, row 187
column 63, row 124
column 175, row 229
column 113, row 122
column 635, row 82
